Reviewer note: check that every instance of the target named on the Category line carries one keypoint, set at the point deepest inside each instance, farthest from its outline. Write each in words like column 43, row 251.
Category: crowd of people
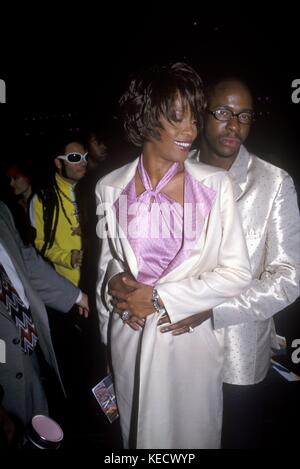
column 170, row 268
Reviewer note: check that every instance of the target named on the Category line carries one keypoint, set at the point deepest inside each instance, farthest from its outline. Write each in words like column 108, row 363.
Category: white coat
column 169, row 389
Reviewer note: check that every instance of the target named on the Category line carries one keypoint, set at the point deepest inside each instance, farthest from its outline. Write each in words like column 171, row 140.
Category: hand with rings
column 134, row 322
column 125, row 316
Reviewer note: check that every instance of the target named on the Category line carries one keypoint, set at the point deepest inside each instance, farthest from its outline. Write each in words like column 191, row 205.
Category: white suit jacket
column 267, row 202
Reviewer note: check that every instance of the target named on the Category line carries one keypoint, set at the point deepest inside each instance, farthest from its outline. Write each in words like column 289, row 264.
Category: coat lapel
column 238, row 172
column 115, row 185
column 7, row 240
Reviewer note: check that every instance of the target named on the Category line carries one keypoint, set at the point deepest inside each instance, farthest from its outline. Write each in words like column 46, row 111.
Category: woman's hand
column 185, row 325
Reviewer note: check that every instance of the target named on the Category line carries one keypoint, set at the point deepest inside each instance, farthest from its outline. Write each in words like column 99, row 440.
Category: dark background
column 81, row 68
column 70, row 75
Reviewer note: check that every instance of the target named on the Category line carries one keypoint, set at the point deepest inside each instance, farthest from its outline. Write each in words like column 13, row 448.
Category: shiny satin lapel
column 238, row 172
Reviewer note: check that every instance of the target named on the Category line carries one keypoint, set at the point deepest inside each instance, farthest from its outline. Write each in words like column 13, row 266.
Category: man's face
column 97, row 152
column 224, row 138
column 69, row 171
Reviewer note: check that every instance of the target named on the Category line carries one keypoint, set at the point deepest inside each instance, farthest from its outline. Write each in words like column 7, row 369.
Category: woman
column 172, row 225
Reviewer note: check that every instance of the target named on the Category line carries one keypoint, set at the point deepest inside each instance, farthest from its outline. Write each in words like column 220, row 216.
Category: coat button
column 16, row 341
column 19, row 375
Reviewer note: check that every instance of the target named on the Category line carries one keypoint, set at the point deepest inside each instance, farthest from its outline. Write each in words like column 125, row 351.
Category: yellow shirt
column 60, row 253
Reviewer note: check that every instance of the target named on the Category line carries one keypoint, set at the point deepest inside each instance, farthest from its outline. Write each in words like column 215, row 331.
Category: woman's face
column 176, row 137
column 19, row 184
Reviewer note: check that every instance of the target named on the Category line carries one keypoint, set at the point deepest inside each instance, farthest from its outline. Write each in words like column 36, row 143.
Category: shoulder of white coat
column 204, row 172
column 117, row 178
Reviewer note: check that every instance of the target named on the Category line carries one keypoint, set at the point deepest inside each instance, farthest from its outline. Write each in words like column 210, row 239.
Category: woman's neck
column 157, row 168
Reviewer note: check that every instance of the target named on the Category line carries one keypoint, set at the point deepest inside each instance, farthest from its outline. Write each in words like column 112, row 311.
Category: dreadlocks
column 50, row 202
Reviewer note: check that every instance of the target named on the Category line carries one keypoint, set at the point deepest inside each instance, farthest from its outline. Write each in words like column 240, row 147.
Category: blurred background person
column 19, row 181
column 19, row 177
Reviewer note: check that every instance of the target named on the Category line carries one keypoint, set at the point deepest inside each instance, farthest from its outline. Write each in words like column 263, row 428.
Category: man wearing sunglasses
column 54, row 213
column 267, row 202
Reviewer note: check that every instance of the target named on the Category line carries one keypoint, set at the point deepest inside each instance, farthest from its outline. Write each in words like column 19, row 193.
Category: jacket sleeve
column 55, row 254
column 230, row 276
column 54, row 290
column 278, row 285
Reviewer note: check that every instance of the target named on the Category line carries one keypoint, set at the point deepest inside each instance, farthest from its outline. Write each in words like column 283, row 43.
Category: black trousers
column 242, row 416
column 264, row 415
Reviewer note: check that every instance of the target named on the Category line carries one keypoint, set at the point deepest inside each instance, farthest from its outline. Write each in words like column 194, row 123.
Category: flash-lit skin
column 221, row 141
column 72, row 173
column 160, row 154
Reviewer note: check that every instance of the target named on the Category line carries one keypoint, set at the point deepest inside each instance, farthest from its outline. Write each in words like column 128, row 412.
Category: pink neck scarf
column 160, row 231
column 156, row 193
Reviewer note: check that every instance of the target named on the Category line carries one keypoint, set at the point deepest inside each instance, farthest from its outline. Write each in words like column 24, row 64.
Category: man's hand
column 83, row 306
column 183, row 326
column 134, row 322
column 138, row 301
column 76, row 231
column 117, row 283
column 76, row 258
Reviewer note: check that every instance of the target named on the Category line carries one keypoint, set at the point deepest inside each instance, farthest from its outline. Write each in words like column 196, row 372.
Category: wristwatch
column 155, row 300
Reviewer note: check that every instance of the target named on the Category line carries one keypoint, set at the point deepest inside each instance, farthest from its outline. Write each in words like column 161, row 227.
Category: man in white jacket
column 268, row 207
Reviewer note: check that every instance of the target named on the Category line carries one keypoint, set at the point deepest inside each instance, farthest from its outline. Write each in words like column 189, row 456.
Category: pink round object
column 47, row 428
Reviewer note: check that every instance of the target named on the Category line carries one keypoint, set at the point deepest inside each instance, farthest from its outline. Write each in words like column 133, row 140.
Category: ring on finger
column 125, row 316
